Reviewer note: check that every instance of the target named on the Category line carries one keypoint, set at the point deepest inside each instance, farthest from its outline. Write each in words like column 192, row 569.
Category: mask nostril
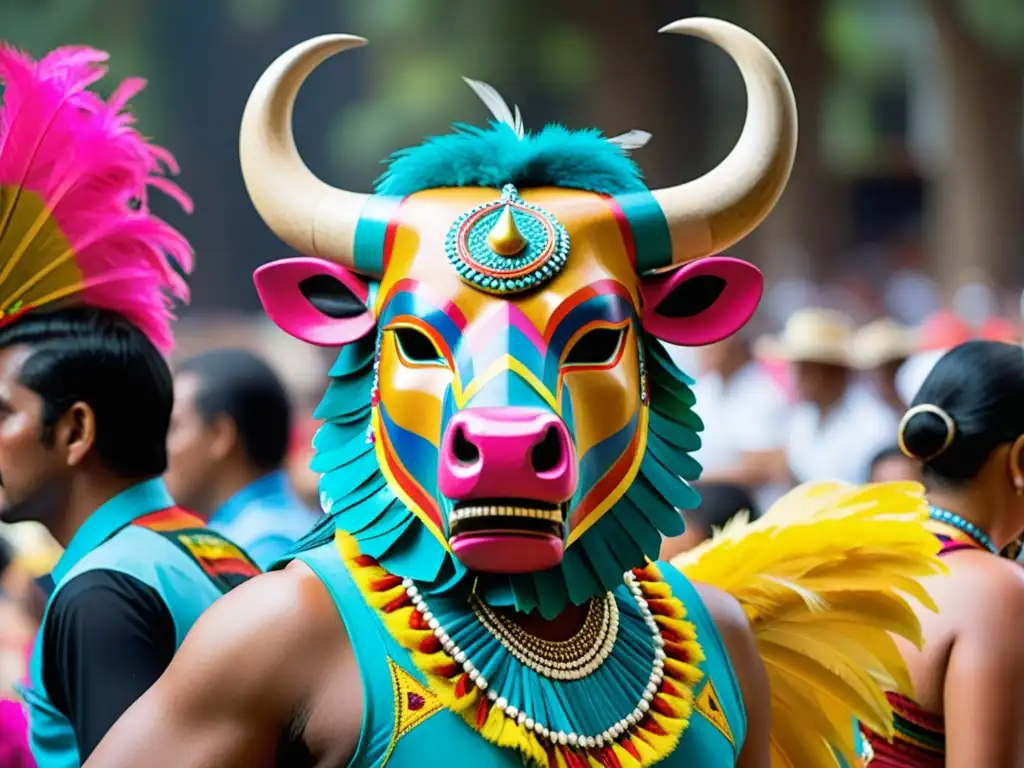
column 465, row 452
column 547, row 454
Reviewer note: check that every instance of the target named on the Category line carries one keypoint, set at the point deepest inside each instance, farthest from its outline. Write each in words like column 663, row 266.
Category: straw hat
column 35, row 549
column 811, row 336
column 883, row 341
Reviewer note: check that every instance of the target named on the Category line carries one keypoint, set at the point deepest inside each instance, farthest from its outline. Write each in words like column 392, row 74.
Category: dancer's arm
column 984, row 686
column 741, row 646
column 247, row 668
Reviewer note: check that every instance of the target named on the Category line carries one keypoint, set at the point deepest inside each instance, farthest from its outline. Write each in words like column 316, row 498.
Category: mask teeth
column 465, row 513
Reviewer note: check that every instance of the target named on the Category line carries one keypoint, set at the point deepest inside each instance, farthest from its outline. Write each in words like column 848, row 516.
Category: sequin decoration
column 542, row 245
column 413, row 703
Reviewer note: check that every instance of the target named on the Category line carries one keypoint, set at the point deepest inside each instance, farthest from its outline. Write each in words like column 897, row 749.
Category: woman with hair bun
column 966, row 427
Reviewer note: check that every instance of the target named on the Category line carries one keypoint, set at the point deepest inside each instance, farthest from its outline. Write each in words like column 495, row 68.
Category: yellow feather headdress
column 824, row 577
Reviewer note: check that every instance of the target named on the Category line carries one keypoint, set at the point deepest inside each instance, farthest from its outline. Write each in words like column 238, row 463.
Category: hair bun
column 926, row 431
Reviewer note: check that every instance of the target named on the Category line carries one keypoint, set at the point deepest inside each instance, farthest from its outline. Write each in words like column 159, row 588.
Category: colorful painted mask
column 503, row 407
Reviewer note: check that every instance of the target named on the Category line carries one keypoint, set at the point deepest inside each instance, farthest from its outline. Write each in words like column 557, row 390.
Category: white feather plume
column 498, row 106
column 630, row 140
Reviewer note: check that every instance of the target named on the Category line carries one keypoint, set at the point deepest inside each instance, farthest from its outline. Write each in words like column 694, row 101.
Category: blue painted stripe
column 415, row 453
column 415, row 305
column 609, row 307
column 596, row 462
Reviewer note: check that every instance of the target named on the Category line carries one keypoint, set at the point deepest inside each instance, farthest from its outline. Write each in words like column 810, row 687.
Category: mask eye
column 597, row 347
column 416, row 347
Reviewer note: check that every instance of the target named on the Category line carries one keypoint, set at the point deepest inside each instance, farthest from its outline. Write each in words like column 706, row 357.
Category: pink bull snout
column 507, row 468
column 507, row 453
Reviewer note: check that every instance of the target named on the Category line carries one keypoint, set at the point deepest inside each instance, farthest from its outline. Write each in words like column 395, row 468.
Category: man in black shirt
column 86, row 397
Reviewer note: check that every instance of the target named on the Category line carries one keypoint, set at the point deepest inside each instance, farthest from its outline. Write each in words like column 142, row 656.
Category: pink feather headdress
column 75, row 225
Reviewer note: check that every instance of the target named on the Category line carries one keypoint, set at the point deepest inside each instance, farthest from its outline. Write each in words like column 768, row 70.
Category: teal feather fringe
column 492, row 157
column 357, row 499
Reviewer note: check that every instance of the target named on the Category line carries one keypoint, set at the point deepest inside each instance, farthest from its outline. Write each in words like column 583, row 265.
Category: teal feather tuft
column 357, row 499
column 471, row 156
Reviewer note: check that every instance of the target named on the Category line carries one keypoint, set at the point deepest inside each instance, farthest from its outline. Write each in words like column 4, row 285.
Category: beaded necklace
column 571, row 659
column 630, row 709
column 966, row 527
column 527, row 651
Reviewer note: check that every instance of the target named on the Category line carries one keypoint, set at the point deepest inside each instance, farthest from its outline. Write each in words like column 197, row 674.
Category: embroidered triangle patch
column 710, row 706
column 413, row 702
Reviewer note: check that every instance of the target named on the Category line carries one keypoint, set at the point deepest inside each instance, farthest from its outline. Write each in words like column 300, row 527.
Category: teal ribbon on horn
column 652, row 238
column 372, row 234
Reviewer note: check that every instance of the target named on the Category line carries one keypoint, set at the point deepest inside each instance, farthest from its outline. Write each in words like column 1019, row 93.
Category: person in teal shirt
column 229, row 437
column 86, row 398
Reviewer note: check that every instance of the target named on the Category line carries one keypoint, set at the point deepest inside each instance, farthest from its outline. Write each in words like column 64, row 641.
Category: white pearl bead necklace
column 609, row 735
column 576, row 669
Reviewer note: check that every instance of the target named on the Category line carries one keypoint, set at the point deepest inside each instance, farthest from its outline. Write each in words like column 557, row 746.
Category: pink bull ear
column 315, row 300
column 702, row 302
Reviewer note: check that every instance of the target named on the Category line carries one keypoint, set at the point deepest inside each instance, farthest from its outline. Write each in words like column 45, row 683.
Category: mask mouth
column 507, row 535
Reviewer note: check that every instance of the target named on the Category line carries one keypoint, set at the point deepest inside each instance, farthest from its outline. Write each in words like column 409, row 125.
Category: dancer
column 86, row 285
column 505, row 438
column 966, row 425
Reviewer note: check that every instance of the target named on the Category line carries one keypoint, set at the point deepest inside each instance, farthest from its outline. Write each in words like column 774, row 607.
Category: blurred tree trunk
column 212, row 68
column 646, row 81
column 804, row 234
column 976, row 213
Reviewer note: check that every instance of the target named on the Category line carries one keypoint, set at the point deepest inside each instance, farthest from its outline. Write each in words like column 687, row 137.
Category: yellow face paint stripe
column 495, row 369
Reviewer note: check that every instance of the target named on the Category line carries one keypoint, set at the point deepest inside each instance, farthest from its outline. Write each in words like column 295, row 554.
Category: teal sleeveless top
column 404, row 722
column 142, row 534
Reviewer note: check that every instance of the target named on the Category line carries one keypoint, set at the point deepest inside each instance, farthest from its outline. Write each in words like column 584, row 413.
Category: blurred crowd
column 239, row 448
column 820, row 400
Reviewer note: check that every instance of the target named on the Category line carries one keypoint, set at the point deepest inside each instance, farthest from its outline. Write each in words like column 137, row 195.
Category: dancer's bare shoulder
column 983, row 685
column 249, row 672
column 995, row 586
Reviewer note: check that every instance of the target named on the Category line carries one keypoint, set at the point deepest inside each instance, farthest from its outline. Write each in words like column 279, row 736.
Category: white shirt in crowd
column 841, row 446
column 747, row 414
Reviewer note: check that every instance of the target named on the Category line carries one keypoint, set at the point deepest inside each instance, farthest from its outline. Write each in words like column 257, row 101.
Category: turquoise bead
column 965, row 526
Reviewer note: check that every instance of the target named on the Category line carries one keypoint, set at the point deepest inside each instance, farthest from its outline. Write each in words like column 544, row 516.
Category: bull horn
column 715, row 211
column 311, row 216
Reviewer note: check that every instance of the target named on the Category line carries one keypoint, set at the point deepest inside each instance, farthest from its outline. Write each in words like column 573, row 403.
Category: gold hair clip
column 937, row 411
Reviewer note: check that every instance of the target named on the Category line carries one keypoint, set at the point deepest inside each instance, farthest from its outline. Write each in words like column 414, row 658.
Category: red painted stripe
column 624, row 229
column 606, row 484
column 170, row 519
column 389, row 233
column 410, row 486
column 601, row 287
column 228, row 567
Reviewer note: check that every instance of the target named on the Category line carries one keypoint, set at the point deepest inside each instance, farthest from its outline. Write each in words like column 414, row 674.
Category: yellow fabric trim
column 404, row 688
column 709, row 705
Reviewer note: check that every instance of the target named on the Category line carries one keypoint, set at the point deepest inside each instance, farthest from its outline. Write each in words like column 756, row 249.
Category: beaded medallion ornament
column 508, row 246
